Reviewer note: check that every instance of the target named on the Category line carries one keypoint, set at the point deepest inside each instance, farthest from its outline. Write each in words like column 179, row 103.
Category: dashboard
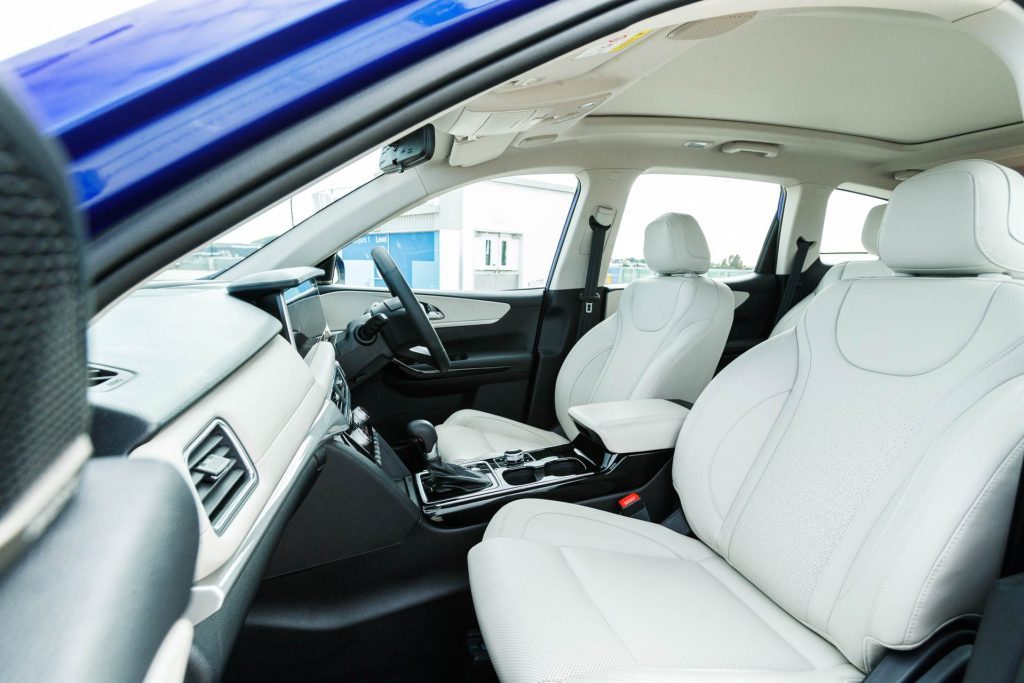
column 236, row 387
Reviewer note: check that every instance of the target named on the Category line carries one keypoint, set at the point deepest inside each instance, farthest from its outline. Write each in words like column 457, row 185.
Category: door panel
column 757, row 296
column 490, row 337
column 344, row 305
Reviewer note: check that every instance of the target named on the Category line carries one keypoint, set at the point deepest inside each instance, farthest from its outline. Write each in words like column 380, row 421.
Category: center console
column 620, row 445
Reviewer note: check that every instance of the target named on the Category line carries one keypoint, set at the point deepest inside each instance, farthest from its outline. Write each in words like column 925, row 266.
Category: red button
column 628, row 500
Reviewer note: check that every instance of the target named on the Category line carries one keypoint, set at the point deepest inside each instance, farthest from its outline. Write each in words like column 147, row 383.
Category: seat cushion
column 568, row 593
column 471, row 435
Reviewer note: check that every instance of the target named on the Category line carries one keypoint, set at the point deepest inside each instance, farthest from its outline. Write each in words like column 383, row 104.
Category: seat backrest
column 860, row 468
column 96, row 555
column 666, row 338
column 847, row 270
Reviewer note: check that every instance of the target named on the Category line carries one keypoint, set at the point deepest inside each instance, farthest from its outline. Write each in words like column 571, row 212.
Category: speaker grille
column 711, row 27
column 42, row 310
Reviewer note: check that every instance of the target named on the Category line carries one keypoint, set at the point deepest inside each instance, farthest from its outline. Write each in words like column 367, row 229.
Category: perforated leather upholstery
column 846, row 270
column 849, row 481
column 664, row 342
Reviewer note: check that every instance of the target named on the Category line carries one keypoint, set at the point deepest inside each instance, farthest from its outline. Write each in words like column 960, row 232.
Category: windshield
column 248, row 237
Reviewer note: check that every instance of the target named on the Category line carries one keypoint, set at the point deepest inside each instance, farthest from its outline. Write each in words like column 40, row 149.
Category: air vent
column 711, row 27
column 104, row 378
column 221, row 471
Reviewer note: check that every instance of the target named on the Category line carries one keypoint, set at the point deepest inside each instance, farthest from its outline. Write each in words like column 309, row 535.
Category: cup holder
column 521, row 475
column 562, row 467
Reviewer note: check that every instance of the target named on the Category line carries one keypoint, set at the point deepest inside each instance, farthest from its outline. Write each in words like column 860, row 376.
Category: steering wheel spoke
column 416, row 312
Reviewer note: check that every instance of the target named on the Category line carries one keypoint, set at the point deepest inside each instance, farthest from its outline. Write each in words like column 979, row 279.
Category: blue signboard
column 415, row 253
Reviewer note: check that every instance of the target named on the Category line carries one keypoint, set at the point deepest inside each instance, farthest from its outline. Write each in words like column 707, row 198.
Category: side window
column 734, row 214
column 844, row 220
column 491, row 235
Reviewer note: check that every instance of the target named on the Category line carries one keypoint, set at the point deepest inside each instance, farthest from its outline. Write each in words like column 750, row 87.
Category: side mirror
column 408, row 151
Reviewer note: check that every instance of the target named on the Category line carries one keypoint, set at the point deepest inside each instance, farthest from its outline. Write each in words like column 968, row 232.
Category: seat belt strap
column 793, row 279
column 600, row 223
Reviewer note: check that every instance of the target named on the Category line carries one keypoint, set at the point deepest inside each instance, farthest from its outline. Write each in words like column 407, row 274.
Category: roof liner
column 883, row 75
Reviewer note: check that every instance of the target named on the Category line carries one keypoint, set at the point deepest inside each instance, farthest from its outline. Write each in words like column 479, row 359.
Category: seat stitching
column 967, row 342
column 607, row 361
column 892, row 563
column 525, row 429
column 721, row 441
column 901, row 493
column 592, row 360
column 944, row 555
column 762, row 453
column 750, row 609
column 586, row 593
column 951, row 392
column 535, row 515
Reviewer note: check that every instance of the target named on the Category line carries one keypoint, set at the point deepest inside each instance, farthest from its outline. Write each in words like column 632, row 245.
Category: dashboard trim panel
column 210, row 592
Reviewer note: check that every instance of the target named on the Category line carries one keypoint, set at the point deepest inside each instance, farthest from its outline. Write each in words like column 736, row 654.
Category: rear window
column 734, row 214
column 844, row 221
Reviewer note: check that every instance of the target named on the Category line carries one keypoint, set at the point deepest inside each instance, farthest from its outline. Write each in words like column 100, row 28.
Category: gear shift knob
column 425, row 433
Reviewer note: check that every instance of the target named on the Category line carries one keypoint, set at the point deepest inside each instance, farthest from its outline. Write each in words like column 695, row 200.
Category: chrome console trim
column 500, row 486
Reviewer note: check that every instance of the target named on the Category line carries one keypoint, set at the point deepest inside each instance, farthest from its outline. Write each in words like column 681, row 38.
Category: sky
column 28, row 24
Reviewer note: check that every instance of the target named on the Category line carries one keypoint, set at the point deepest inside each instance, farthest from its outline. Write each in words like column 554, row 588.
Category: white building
column 494, row 234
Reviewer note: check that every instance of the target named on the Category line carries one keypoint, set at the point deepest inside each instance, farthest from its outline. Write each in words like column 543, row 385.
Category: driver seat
column 665, row 341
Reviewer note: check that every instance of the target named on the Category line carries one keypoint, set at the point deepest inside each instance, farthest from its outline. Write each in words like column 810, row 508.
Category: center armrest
column 632, row 426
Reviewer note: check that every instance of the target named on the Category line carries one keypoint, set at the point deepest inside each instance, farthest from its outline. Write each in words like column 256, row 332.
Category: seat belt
column 795, row 271
column 600, row 222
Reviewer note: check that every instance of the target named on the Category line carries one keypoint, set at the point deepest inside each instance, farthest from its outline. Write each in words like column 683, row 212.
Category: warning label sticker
column 616, row 43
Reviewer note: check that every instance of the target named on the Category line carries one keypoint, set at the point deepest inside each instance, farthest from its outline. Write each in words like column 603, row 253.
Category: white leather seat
column 849, row 481
column 665, row 341
column 846, row 270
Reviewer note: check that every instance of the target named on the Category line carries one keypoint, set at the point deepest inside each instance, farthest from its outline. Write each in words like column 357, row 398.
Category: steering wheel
column 398, row 287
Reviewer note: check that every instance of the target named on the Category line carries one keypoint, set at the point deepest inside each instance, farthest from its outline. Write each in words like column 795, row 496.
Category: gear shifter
column 445, row 478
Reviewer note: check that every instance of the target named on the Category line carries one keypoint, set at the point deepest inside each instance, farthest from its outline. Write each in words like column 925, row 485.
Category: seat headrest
column 961, row 218
column 872, row 226
column 674, row 243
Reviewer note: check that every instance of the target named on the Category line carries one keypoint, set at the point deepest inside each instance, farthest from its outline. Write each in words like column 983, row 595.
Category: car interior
column 694, row 353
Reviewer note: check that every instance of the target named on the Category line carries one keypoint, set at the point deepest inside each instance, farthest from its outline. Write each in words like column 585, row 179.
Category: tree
column 732, row 262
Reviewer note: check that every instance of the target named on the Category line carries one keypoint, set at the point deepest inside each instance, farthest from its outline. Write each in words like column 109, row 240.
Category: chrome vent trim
column 223, row 492
column 710, row 27
column 105, row 378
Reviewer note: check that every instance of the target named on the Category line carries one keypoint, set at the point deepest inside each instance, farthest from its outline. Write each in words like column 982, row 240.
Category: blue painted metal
column 148, row 100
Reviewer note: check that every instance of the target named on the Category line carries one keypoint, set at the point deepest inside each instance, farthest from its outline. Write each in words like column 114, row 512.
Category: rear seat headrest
column 674, row 243
column 872, row 226
column 961, row 218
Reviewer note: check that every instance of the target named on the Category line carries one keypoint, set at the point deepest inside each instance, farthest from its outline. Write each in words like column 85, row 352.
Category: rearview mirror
column 408, row 151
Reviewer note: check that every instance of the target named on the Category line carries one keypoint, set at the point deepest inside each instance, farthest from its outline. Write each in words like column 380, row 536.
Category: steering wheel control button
column 515, row 456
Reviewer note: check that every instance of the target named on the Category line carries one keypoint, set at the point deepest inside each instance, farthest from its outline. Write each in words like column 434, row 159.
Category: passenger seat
column 850, row 485
column 665, row 341
column 848, row 270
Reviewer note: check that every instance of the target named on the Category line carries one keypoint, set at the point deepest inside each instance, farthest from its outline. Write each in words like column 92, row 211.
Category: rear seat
column 848, row 270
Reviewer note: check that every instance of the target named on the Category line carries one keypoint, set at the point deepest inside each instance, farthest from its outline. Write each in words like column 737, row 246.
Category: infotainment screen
column 304, row 316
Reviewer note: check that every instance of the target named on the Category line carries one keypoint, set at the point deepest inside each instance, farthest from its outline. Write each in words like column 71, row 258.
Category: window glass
column 734, row 214
column 263, row 228
column 491, row 235
column 844, row 220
